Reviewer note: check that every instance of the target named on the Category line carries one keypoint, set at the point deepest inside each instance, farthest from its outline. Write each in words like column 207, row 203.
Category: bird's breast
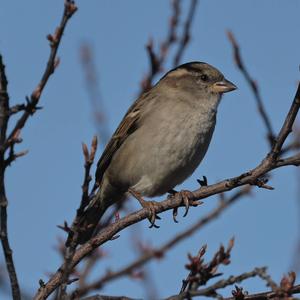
column 175, row 146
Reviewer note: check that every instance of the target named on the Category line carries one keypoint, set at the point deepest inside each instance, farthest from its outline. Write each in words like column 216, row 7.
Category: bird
column 160, row 142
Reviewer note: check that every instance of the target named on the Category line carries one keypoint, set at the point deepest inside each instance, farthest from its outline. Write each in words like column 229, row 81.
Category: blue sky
column 44, row 187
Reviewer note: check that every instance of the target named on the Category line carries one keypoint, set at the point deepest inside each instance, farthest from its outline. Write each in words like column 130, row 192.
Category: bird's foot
column 149, row 205
column 187, row 198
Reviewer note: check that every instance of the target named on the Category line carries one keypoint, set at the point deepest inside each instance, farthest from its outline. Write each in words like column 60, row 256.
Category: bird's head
column 198, row 78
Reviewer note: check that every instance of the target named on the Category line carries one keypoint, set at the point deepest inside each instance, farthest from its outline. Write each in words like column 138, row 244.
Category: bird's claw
column 175, row 213
column 187, row 198
column 172, row 194
column 150, row 206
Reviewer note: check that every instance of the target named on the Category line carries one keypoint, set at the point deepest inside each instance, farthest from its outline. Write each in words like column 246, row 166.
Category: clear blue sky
column 44, row 187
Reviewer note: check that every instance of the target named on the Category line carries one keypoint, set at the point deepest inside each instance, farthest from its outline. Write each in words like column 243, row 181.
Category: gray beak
column 223, row 86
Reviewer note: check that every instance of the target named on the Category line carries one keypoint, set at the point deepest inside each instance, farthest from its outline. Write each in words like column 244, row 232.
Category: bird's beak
column 223, row 86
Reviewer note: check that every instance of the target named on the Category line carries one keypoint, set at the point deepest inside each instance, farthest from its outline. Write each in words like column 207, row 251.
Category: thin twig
column 8, row 254
column 286, row 128
column 14, row 137
column 211, row 290
column 284, row 291
column 201, row 272
column 157, row 59
column 72, row 241
column 32, row 102
column 92, row 87
column 268, row 295
column 186, row 36
column 270, row 282
column 253, row 85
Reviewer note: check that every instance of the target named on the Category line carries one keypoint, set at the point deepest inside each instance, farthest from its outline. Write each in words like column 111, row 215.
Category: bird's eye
column 204, row 77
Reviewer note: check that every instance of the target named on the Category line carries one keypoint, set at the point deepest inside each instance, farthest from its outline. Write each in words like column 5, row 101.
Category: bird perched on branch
column 161, row 140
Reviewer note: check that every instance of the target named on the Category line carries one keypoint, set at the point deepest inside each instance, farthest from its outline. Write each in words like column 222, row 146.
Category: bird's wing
column 127, row 126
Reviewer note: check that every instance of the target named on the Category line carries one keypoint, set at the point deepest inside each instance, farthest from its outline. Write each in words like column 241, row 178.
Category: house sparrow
column 161, row 140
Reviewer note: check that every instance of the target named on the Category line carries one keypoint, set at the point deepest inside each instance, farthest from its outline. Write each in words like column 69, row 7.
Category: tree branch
column 211, row 290
column 253, row 85
column 8, row 254
column 14, row 137
column 158, row 59
column 72, row 241
column 158, row 253
column 186, row 33
column 32, row 102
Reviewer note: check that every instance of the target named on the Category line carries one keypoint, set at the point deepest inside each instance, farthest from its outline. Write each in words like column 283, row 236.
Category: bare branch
column 8, row 254
column 280, row 293
column 211, row 290
column 286, row 129
column 55, row 39
column 186, row 33
column 200, row 272
column 253, row 85
column 157, row 60
column 93, row 90
column 9, row 142
column 4, row 104
column 72, row 240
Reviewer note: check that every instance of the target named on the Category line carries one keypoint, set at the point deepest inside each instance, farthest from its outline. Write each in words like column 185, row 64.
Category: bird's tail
column 89, row 221
column 106, row 196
